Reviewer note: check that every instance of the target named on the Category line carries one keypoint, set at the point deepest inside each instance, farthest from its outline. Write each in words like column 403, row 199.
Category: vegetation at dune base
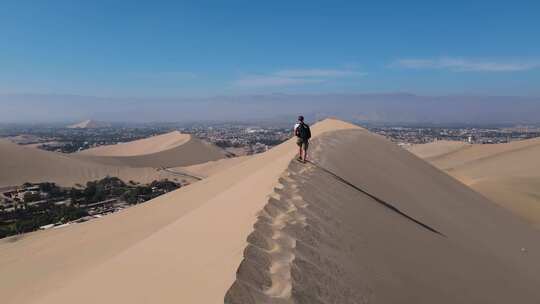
column 39, row 205
column 29, row 219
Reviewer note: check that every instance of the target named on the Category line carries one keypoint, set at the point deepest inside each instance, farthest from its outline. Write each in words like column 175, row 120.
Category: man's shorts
column 303, row 143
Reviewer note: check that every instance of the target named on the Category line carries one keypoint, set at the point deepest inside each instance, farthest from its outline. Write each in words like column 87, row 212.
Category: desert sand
column 437, row 148
column 140, row 161
column 366, row 222
column 213, row 167
column 173, row 149
column 20, row 164
column 508, row 174
column 144, row 146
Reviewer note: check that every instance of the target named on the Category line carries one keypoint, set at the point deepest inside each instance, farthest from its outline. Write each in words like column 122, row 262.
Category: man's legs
column 305, row 148
column 299, row 143
column 302, row 149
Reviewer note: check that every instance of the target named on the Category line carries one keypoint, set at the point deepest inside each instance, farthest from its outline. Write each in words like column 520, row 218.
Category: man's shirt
column 296, row 126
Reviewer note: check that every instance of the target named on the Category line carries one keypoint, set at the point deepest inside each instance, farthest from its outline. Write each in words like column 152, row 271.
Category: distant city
column 237, row 138
column 474, row 135
column 246, row 139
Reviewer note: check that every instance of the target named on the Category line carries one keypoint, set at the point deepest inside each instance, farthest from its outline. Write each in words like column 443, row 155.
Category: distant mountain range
column 376, row 108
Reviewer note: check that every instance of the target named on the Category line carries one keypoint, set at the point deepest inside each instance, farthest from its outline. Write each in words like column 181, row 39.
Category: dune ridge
column 173, row 149
column 143, row 146
column 338, row 245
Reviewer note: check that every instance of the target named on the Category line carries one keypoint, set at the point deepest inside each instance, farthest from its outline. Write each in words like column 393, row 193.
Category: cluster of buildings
column 241, row 139
column 30, row 194
column 474, row 135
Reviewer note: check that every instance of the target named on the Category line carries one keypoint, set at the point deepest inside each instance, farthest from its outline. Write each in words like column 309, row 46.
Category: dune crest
column 369, row 223
column 144, row 146
column 173, row 149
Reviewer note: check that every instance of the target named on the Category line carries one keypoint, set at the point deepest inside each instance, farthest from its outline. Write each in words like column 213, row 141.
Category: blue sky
column 207, row 48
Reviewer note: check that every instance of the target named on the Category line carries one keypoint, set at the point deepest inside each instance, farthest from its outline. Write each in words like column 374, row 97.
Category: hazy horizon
column 377, row 108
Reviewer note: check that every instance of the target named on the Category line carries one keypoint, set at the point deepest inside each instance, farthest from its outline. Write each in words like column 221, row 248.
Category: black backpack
column 303, row 131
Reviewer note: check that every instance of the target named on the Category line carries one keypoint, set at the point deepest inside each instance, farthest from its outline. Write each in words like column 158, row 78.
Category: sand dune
column 508, row 174
column 481, row 152
column 20, row 164
column 144, row 146
column 442, row 243
column 437, row 148
column 271, row 230
column 173, row 149
column 213, row 167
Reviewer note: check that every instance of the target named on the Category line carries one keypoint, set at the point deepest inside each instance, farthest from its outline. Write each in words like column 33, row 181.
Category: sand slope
column 481, row 152
column 324, row 240
column 213, row 167
column 269, row 230
column 437, row 148
column 144, row 146
column 173, row 149
column 508, row 174
column 20, row 164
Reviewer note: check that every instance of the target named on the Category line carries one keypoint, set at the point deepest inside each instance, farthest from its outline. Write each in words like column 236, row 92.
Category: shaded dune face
column 192, row 152
column 137, row 160
column 173, row 149
column 367, row 222
column 20, row 164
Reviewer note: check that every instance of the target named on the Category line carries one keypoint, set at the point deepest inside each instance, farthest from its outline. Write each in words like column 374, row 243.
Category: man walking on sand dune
column 303, row 134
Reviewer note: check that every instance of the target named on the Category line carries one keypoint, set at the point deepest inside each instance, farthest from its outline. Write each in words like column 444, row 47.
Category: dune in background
column 173, row 149
column 508, row 174
column 144, row 146
column 139, row 161
column 437, row 148
column 272, row 230
column 20, row 164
